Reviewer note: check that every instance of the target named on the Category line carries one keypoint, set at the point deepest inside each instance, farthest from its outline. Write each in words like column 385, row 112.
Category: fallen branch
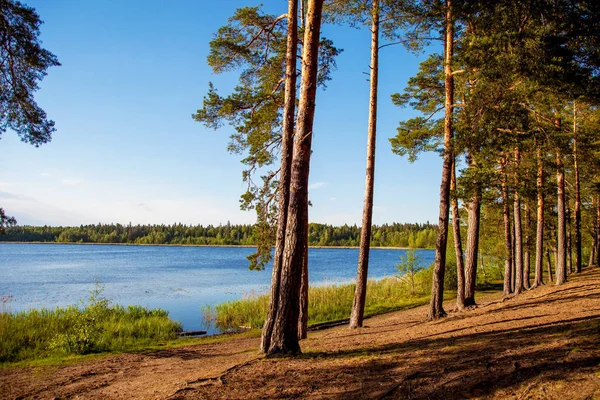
column 391, row 390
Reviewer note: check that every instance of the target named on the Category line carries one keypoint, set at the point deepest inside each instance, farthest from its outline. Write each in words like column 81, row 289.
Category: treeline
column 386, row 235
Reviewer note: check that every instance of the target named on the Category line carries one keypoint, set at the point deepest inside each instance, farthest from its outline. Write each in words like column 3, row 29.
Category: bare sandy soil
column 543, row 344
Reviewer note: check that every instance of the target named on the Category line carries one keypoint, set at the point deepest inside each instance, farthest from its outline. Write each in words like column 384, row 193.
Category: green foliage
column 409, row 265
column 94, row 327
column 254, row 44
column 23, row 63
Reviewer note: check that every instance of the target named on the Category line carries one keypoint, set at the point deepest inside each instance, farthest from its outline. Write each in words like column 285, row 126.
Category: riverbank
column 545, row 343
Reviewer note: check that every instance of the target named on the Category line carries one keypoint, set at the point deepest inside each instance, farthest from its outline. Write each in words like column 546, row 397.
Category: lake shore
column 541, row 344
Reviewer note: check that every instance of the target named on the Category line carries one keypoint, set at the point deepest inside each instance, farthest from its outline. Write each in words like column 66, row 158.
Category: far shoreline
column 208, row 245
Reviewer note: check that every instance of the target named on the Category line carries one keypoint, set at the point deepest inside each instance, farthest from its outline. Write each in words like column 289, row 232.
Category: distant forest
column 387, row 235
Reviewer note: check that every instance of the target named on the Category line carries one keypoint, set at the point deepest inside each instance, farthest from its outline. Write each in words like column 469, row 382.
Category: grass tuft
column 93, row 327
column 328, row 303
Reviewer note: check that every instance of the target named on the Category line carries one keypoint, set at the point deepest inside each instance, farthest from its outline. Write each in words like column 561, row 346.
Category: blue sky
column 127, row 150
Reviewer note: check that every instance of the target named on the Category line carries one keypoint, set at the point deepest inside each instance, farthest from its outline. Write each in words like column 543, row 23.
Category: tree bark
column 561, row 261
column 569, row 242
column 539, row 240
column 578, row 257
column 508, row 253
column 358, row 306
column 303, row 318
column 598, row 231
column 284, row 338
column 549, row 262
column 527, row 260
column 436, row 309
column 518, row 230
column 472, row 246
column 460, row 265
column 287, row 134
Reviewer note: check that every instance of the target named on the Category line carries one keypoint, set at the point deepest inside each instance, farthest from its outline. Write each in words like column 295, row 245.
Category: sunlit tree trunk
column 539, row 239
column 597, row 231
column 460, row 266
column 472, row 246
column 303, row 318
column 561, row 261
column 527, row 260
column 284, row 338
column 549, row 263
column 518, row 231
column 358, row 306
column 578, row 257
column 436, row 309
column 508, row 252
column 287, row 134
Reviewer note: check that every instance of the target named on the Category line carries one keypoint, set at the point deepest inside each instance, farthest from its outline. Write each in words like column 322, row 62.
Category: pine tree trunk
column 550, row 278
column 284, row 338
column 539, row 239
column 358, row 306
column 518, row 230
column 514, row 264
column 436, row 309
column 285, row 171
column 597, row 231
column 508, row 253
column 460, row 265
column 527, row 260
column 569, row 243
column 561, row 261
column 472, row 247
column 578, row 256
column 303, row 318
column 592, row 252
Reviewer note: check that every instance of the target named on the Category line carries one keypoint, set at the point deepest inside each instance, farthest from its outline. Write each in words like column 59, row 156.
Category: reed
column 93, row 327
column 327, row 303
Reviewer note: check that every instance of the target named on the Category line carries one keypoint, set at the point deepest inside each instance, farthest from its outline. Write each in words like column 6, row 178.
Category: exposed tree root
column 218, row 380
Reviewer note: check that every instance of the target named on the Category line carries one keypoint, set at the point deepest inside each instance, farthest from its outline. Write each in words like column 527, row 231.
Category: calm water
column 178, row 279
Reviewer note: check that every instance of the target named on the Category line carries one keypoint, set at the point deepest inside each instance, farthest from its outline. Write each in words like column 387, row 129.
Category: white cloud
column 5, row 185
column 332, row 199
column 71, row 181
column 316, row 185
column 45, row 174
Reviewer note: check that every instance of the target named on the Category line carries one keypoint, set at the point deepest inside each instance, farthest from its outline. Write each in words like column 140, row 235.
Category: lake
column 178, row 279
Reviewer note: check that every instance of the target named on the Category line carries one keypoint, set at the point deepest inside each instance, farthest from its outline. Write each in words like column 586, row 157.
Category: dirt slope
column 544, row 344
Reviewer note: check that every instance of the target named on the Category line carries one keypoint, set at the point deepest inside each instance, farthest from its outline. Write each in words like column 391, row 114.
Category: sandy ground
column 543, row 344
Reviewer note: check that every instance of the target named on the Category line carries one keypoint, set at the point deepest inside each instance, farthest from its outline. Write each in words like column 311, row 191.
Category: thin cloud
column 144, row 206
column 316, row 185
column 45, row 174
column 15, row 196
column 71, row 181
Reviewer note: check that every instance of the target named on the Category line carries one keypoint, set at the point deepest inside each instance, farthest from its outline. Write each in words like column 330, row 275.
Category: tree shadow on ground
column 474, row 364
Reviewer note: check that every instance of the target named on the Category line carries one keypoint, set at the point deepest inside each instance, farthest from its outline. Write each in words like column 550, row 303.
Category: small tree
column 410, row 264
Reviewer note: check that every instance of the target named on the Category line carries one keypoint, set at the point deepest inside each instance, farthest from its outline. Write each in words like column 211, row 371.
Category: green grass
column 95, row 327
column 327, row 303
